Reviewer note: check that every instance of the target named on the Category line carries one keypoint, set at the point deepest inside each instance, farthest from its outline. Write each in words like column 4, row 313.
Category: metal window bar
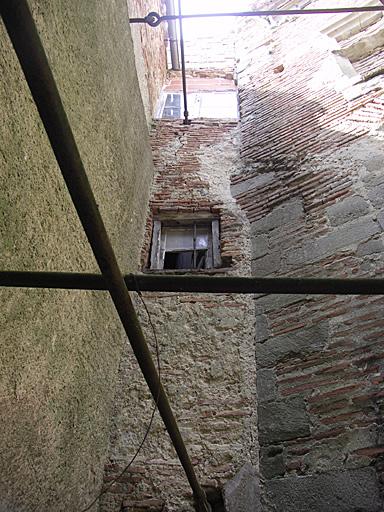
column 25, row 39
column 194, row 245
column 153, row 19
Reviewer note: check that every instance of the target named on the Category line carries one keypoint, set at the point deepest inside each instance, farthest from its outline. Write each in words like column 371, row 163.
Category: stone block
column 266, row 385
column 280, row 216
column 265, row 303
column 370, row 247
column 349, row 209
column 375, row 162
column 261, row 180
column 259, row 246
column 350, row 234
column 298, row 342
column 344, row 491
column 376, row 196
column 272, row 462
column 380, row 219
column 266, row 265
column 242, row 493
column 261, row 327
column 337, row 452
column 283, row 420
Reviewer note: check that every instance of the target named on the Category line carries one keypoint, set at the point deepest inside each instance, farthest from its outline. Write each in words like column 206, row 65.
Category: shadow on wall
column 279, row 122
column 293, row 145
column 312, row 188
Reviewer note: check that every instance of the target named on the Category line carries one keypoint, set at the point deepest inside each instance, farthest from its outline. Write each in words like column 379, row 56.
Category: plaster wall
column 60, row 350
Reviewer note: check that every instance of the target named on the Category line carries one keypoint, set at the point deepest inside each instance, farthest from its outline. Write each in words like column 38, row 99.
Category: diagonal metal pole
column 23, row 33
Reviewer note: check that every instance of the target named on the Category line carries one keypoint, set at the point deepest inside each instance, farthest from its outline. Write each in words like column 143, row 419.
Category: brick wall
column 150, row 46
column 211, row 53
column 206, row 341
column 311, row 186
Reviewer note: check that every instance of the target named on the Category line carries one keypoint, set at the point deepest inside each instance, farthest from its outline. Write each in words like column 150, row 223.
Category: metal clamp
column 153, row 19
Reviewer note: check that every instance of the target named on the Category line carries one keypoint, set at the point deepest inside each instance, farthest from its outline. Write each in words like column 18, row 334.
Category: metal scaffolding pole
column 196, row 284
column 154, row 19
column 183, row 70
column 22, row 31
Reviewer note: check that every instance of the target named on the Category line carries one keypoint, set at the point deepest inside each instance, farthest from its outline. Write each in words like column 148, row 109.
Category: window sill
column 207, row 271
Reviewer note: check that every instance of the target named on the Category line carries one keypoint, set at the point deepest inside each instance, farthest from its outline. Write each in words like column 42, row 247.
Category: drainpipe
column 172, row 35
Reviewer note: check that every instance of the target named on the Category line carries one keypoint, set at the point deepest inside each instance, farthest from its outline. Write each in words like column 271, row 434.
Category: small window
column 172, row 106
column 210, row 105
column 185, row 245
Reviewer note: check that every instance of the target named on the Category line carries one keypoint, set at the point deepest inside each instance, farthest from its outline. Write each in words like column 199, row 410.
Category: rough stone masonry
column 311, row 183
column 206, row 341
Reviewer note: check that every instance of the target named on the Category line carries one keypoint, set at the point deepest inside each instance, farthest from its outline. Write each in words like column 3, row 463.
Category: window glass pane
column 171, row 113
column 202, row 238
column 173, row 100
column 172, row 106
column 219, row 105
column 194, row 105
column 178, row 239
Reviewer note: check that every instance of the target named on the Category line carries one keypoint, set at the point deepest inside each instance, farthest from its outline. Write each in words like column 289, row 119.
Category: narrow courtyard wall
column 150, row 48
column 312, row 188
column 60, row 350
column 206, row 341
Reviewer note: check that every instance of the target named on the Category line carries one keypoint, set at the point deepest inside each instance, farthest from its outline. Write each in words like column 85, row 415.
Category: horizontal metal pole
column 22, row 31
column 196, row 284
column 154, row 19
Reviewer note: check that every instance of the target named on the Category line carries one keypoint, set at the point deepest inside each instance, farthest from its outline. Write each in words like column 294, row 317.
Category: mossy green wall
column 59, row 350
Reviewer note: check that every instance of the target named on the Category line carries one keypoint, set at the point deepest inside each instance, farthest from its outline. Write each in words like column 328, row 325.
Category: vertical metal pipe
column 30, row 52
column 183, row 73
column 172, row 35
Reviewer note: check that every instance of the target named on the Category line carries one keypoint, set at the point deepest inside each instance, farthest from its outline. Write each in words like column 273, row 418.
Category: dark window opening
column 185, row 260
column 185, row 245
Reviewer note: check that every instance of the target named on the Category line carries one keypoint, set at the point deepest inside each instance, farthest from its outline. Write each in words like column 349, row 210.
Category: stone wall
column 206, row 341
column 312, row 156
column 60, row 350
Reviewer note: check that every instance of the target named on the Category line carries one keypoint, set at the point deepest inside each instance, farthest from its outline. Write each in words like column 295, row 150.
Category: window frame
column 157, row 255
column 197, row 105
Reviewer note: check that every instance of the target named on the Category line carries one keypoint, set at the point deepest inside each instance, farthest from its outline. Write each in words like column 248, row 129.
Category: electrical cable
column 109, row 486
